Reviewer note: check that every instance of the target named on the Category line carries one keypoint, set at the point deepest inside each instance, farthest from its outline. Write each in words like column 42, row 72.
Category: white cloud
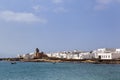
column 11, row 16
column 60, row 10
column 57, row 1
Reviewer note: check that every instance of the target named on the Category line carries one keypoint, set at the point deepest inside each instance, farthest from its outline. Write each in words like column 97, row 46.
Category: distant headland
column 99, row 56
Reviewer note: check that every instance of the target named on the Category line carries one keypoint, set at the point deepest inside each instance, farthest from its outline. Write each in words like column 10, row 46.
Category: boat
column 13, row 62
column 54, row 62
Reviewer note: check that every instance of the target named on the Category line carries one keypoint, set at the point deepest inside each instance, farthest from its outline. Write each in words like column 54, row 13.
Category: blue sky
column 58, row 25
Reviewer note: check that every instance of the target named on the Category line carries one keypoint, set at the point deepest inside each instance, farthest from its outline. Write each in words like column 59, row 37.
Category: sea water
column 58, row 71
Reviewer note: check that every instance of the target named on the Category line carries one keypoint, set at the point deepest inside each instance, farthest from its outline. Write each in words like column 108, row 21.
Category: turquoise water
column 58, row 71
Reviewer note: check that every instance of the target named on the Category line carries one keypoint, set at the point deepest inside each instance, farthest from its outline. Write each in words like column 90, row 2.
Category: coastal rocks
column 107, row 62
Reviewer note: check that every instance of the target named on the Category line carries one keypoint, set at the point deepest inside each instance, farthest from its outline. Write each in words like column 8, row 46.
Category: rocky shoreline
column 76, row 61
column 92, row 61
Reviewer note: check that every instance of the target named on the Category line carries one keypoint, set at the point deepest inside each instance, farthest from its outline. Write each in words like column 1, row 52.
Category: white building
column 72, row 55
column 87, row 55
column 104, row 50
column 107, row 53
column 63, row 55
column 49, row 54
column 55, row 55
column 27, row 56
column 118, row 50
column 103, row 55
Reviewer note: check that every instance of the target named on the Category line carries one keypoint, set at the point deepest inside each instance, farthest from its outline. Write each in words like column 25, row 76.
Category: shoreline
column 76, row 61
column 92, row 61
